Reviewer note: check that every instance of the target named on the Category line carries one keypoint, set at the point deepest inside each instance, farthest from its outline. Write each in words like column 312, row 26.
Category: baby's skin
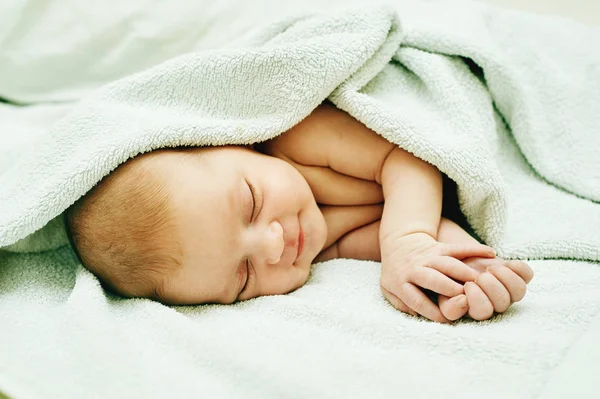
column 382, row 203
column 251, row 221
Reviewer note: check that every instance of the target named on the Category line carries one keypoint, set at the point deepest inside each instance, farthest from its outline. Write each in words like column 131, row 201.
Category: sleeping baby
column 225, row 224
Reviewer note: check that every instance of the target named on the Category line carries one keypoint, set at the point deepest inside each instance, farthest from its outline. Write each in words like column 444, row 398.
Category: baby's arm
column 353, row 232
column 346, row 164
column 411, row 256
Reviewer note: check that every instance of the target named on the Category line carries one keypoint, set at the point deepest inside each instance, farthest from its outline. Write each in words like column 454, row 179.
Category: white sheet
column 275, row 346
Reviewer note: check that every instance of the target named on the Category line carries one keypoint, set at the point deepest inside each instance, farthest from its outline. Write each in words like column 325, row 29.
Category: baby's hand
column 416, row 261
column 499, row 284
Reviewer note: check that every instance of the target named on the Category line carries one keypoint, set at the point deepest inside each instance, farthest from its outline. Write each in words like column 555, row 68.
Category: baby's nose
column 273, row 243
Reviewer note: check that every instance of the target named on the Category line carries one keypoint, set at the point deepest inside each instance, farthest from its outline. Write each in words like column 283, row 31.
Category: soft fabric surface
column 62, row 50
column 502, row 102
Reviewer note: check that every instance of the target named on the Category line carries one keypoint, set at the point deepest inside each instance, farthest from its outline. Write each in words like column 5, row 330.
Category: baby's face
column 247, row 224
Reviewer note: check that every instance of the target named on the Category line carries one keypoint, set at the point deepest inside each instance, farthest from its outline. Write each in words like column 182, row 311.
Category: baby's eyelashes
column 253, row 196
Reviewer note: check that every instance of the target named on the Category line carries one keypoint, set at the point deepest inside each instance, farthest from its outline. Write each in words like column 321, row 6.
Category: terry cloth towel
column 504, row 103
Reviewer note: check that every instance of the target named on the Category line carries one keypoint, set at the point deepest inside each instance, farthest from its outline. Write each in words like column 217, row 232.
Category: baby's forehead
column 158, row 160
column 189, row 162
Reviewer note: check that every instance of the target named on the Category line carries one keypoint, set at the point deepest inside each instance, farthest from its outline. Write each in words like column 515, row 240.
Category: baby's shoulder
column 308, row 142
column 329, row 137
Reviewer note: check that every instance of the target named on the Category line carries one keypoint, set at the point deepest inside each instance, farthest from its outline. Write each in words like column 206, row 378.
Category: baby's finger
column 514, row 284
column 462, row 251
column 522, row 269
column 495, row 291
column 453, row 308
column 397, row 302
column 453, row 268
column 416, row 299
column 480, row 307
column 435, row 281
column 480, row 265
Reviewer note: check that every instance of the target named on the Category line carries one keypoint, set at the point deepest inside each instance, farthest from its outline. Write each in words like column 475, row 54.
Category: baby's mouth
column 300, row 241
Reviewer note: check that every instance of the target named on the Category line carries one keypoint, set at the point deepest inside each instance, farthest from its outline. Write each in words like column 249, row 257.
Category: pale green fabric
column 504, row 103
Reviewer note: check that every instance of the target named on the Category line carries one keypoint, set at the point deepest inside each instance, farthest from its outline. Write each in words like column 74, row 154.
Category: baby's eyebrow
column 234, row 198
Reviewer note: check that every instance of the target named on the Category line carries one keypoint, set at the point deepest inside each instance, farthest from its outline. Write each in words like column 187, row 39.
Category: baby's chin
column 302, row 282
column 299, row 275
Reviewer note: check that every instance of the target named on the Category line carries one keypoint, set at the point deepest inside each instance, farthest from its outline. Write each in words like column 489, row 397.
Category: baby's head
column 199, row 225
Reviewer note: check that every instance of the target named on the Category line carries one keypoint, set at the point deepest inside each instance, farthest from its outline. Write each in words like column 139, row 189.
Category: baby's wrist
column 405, row 242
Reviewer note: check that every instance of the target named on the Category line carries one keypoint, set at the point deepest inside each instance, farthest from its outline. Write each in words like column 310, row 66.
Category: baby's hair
column 122, row 230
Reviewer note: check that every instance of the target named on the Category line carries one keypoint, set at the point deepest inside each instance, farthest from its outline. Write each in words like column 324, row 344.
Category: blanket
column 502, row 102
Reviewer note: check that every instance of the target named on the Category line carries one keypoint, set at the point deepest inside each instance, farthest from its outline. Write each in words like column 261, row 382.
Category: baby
column 223, row 224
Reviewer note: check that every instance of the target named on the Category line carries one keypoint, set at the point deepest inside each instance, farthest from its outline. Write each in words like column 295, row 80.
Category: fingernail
column 462, row 302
